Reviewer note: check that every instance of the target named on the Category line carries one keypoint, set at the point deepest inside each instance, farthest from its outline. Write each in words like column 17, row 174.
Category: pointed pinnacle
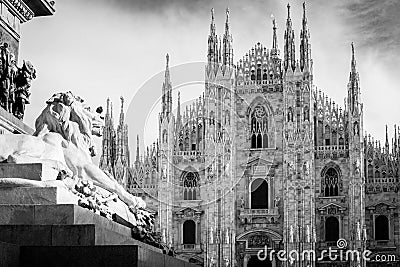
column 167, row 59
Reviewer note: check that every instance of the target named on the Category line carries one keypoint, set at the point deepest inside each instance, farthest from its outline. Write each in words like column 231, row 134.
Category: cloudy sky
column 113, row 48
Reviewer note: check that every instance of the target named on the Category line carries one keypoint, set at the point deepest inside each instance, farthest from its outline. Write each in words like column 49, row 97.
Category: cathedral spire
column 122, row 115
column 304, row 43
column 212, row 54
column 227, row 43
column 353, row 85
column 387, row 141
column 167, row 91
column 289, row 59
column 111, row 110
column 274, row 50
column 353, row 59
column 212, row 26
column 108, row 106
column 179, row 106
column 395, row 141
column 137, row 149
column 227, row 22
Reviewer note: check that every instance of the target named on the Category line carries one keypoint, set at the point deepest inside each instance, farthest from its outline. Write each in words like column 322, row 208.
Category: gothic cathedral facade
column 262, row 159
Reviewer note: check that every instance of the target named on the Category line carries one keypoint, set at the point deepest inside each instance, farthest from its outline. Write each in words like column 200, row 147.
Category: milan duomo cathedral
column 262, row 159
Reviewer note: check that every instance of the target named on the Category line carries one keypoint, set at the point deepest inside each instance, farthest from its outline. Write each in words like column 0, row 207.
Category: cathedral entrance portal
column 254, row 261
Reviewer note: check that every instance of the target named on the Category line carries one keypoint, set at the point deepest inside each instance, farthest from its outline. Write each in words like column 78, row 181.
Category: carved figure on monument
column 290, row 168
column 291, row 234
column 23, row 81
column 53, row 150
column 276, row 201
column 306, row 168
column 13, row 74
column 308, row 234
column 211, row 235
column 357, row 167
column 5, row 79
column 226, row 261
column 212, row 262
column 242, row 202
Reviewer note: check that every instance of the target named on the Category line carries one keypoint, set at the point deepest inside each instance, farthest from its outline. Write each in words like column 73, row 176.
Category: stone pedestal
column 30, row 171
column 44, row 226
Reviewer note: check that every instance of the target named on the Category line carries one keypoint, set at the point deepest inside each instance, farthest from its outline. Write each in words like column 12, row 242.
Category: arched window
column 331, row 183
column 259, row 128
column 381, row 228
column 253, row 76
column 306, row 113
column 259, row 194
column 265, row 76
column 189, row 232
column 331, row 229
column 190, row 186
column 258, row 74
column 370, row 170
column 290, row 115
column 165, row 136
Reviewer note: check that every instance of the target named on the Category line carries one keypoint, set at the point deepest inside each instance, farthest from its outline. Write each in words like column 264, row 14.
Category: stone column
column 246, row 260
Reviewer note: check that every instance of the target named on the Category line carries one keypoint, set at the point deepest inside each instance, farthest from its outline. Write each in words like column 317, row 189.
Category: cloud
column 375, row 24
column 110, row 48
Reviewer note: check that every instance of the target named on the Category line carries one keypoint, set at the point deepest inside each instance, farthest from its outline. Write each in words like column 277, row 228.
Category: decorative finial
column 288, row 10
column 167, row 57
column 274, row 37
column 212, row 15
column 108, row 105
column 353, row 58
column 122, row 103
column 227, row 21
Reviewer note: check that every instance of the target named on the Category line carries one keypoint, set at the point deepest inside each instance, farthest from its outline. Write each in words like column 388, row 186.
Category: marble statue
column 276, row 201
column 357, row 167
column 65, row 114
column 14, row 82
column 291, row 233
column 5, row 75
column 23, row 81
column 63, row 144
column 308, row 234
column 306, row 168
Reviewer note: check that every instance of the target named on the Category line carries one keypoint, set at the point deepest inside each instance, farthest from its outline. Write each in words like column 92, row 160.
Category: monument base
column 42, row 225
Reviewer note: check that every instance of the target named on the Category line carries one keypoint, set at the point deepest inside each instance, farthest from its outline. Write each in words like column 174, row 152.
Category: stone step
column 65, row 235
column 36, row 195
column 88, row 256
column 30, row 171
column 57, row 195
column 107, row 232
column 48, row 235
column 66, row 214
column 10, row 254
